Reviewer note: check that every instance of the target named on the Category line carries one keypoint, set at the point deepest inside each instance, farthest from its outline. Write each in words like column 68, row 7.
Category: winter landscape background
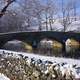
column 19, row 61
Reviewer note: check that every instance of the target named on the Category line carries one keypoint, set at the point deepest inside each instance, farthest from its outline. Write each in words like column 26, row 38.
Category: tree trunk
column 28, row 22
column 74, row 12
column 40, row 27
column 39, row 22
column 46, row 23
column 50, row 22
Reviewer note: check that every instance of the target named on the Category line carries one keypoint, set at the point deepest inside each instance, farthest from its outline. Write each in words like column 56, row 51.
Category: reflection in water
column 50, row 47
column 46, row 47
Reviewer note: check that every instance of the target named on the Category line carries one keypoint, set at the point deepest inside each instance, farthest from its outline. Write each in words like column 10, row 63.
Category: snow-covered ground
column 3, row 77
column 57, row 26
column 44, row 58
column 74, row 26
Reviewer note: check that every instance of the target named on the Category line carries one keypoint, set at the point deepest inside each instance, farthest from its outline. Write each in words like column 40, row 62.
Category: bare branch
column 5, row 7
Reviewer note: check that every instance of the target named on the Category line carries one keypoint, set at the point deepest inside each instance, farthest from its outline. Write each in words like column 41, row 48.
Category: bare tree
column 69, row 11
column 52, row 12
column 27, row 9
column 49, row 11
column 75, row 6
column 38, row 12
column 63, row 15
column 32, row 10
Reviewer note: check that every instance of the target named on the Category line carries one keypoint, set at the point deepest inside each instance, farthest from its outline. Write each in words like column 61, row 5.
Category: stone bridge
column 36, row 37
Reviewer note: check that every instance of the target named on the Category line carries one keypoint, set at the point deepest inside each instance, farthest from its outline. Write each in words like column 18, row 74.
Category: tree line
column 19, row 15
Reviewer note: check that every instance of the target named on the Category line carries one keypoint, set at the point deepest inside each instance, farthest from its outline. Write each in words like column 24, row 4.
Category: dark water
column 42, row 51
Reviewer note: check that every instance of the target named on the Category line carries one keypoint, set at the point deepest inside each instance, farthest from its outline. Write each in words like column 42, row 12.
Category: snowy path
column 53, row 59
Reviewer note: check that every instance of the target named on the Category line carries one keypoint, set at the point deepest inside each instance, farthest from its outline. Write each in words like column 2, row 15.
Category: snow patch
column 3, row 77
column 74, row 26
column 44, row 58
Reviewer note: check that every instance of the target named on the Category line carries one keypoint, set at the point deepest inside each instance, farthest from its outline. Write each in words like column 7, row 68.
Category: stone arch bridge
column 36, row 37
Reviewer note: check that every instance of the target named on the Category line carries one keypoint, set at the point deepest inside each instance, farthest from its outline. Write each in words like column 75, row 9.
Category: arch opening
column 18, row 45
column 50, row 47
column 72, row 47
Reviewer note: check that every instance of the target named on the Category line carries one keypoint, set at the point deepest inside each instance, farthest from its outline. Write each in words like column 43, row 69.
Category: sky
column 60, row 2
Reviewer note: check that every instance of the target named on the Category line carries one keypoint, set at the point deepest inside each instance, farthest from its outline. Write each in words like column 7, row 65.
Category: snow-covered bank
column 53, row 59
column 3, row 77
column 34, row 66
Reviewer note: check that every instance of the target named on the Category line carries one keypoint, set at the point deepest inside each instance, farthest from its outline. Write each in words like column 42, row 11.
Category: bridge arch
column 71, row 45
column 50, row 46
column 17, row 45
